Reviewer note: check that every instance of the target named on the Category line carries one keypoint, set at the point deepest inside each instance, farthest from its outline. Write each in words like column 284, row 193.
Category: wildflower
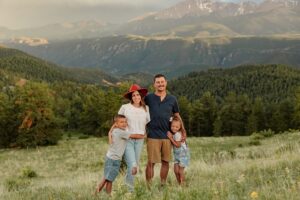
column 254, row 195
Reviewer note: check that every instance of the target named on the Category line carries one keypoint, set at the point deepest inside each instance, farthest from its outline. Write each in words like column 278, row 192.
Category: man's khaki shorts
column 158, row 150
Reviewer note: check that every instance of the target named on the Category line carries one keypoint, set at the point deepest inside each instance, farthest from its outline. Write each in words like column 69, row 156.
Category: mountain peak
column 207, row 7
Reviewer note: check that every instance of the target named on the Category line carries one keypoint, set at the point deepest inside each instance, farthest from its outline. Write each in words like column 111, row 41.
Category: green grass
column 221, row 168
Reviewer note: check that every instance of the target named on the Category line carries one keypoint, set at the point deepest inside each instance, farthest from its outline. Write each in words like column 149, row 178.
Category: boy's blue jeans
column 132, row 157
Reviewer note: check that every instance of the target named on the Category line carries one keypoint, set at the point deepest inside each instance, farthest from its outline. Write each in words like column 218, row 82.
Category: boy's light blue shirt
column 119, row 141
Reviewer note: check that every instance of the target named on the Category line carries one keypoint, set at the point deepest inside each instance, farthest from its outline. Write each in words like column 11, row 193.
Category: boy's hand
column 169, row 134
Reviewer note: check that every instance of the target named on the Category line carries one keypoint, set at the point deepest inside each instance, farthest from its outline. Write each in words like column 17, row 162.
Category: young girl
column 180, row 150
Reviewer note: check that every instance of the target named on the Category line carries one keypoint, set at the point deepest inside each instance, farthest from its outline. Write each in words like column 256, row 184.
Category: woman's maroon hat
column 133, row 88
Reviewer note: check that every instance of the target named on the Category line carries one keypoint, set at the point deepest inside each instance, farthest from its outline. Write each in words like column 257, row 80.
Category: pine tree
column 296, row 115
column 36, row 122
column 7, row 121
column 185, row 113
column 204, row 114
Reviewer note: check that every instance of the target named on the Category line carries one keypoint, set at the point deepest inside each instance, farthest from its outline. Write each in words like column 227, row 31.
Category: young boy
column 115, row 152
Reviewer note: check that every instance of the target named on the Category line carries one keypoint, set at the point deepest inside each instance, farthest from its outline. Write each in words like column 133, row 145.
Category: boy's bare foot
column 134, row 171
column 98, row 189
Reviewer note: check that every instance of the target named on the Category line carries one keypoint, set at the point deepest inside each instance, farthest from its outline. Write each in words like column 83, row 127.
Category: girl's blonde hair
column 177, row 119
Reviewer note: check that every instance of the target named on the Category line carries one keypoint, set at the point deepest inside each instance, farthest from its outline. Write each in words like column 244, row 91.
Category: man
column 162, row 107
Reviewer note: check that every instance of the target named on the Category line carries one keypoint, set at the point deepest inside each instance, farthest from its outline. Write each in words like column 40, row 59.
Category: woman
column 137, row 114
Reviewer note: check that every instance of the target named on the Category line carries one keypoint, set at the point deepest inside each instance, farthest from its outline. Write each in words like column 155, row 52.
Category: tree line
column 239, row 115
column 270, row 82
column 34, row 112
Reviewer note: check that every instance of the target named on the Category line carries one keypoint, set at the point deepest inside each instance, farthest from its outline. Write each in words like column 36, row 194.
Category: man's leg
column 149, row 171
column 164, row 171
column 153, row 152
column 165, row 159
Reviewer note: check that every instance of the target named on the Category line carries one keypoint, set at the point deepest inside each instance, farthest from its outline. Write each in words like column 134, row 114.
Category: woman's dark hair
column 142, row 103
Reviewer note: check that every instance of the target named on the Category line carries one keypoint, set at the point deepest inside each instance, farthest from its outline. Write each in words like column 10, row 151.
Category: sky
column 17, row 14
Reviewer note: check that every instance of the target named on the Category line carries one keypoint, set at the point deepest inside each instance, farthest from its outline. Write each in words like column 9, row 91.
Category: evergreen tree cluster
column 36, row 113
column 270, row 82
column 238, row 115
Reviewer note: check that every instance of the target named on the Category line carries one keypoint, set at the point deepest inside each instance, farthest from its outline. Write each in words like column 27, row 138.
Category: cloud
column 89, row 2
column 30, row 13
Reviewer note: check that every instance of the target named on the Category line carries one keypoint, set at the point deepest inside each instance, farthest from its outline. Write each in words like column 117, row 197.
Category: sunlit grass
column 221, row 168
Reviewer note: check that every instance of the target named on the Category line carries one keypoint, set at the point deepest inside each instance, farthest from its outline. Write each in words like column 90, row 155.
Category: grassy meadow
column 221, row 168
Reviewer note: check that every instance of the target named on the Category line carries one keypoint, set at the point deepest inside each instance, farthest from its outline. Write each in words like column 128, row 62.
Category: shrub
column 255, row 142
column 262, row 134
column 27, row 172
column 267, row 133
column 256, row 136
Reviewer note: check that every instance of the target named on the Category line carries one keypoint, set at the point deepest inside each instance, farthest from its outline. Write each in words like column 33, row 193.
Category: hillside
column 173, row 56
column 220, row 168
column 271, row 82
column 21, row 65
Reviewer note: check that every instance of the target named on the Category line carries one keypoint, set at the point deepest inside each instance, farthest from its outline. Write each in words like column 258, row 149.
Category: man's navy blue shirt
column 160, row 114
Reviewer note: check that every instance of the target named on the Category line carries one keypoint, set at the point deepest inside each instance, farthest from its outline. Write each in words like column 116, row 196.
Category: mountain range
column 189, row 18
column 202, row 18
column 173, row 56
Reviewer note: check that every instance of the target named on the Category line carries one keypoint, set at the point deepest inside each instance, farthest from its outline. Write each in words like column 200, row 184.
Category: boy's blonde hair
column 118, row 116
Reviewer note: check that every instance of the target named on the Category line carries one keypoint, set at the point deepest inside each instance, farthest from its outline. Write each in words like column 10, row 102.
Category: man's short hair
column 159, row 76
column 118, row 116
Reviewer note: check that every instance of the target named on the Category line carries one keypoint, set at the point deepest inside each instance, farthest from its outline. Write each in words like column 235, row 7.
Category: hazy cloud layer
column 31, row 13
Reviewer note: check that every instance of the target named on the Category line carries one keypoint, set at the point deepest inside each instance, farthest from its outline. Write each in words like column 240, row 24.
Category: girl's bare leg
column 181, row 175
column 176, row 172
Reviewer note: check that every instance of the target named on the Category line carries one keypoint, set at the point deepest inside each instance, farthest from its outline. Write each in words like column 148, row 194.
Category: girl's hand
column 169, row 134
